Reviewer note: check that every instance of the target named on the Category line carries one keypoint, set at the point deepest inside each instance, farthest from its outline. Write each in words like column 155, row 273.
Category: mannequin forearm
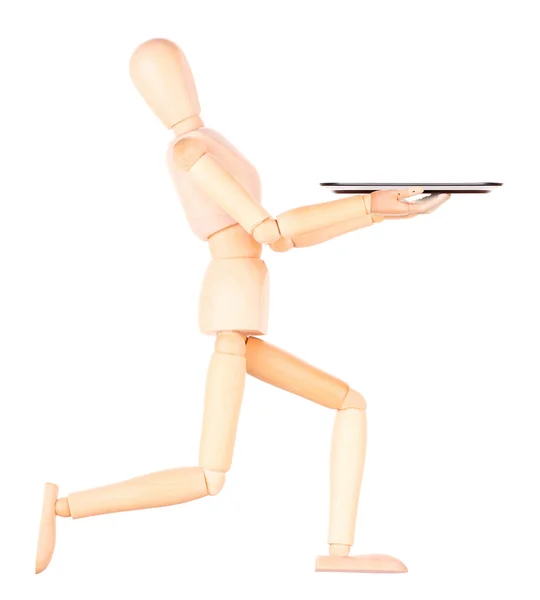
column 321, row 235
column 331, row 216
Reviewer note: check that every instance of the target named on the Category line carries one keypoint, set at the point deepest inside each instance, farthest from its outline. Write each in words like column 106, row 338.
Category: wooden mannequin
column 220, row 193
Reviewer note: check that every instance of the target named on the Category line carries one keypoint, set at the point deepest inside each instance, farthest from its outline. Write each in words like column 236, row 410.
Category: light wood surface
column 368, row 563
column 346, row 470
column 283, row 370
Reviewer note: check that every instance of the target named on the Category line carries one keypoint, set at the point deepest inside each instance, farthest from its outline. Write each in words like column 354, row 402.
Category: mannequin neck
column 187, row 125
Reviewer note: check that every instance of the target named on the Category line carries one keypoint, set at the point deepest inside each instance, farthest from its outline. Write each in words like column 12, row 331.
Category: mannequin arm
column 213, row 179
column 301, row 227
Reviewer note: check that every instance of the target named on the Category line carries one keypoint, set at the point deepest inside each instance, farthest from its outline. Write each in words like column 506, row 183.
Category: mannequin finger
column 429, row 204
column 439, row 203
column 404, row 216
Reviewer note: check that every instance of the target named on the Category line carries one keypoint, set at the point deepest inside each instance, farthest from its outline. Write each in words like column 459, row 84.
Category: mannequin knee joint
column 353, row 399
column 214, row 481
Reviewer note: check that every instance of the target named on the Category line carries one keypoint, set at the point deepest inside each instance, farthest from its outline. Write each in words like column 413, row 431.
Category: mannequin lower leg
column 346, row 470
column 223, row 397
column 164, row 488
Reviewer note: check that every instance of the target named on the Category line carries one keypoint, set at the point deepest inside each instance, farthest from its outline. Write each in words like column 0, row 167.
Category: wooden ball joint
column 220, row 192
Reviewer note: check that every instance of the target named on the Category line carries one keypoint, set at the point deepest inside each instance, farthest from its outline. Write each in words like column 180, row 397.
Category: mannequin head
column 162, row 76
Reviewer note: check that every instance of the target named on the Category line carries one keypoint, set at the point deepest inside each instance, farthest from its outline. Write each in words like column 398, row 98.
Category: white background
column 434, row 320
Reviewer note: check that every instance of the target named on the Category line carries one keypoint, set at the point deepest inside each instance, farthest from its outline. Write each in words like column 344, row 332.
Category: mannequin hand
column 390, row 203
column 267, row 232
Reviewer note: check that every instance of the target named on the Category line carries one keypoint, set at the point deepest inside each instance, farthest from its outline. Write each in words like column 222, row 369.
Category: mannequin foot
column 366, row 563
column 47, row 528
